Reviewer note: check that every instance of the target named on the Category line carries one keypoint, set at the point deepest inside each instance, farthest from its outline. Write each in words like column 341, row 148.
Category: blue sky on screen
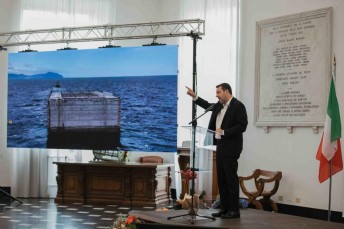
column 105, row 62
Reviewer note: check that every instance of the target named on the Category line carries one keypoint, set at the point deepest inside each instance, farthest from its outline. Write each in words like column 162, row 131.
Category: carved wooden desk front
column 133, row 184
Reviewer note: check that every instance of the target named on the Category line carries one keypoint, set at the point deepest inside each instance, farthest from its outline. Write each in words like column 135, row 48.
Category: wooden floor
column 250, row 219
column 44, row 213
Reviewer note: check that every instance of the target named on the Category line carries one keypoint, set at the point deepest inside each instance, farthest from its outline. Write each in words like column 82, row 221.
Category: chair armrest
column 264, row 180
column 254, row 175
column 241, row 178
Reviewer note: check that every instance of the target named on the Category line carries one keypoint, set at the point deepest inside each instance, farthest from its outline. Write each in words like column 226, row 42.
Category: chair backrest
column 266, row 176
column 276, row 175
column 151, row 159
column 261, row 177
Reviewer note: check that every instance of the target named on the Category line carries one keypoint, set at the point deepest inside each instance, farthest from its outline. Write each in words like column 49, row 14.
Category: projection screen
column 106, row 98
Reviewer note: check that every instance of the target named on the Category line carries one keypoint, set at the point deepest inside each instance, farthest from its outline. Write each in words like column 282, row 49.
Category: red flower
column 131, row 219
column 188, row 175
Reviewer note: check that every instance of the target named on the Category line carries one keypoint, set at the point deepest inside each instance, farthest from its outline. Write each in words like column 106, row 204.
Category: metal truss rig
column 104, row 33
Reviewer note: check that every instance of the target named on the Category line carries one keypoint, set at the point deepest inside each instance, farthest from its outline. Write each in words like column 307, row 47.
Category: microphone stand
column 192, row 212
column 195, row 119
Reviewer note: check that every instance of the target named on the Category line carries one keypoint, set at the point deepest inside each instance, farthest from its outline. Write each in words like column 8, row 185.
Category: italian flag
column 329, row 148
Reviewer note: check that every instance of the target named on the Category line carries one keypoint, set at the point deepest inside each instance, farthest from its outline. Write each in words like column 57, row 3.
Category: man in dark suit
column 229, row 121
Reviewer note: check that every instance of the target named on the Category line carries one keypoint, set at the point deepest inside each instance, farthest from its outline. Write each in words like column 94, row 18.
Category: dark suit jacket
column 234, row 124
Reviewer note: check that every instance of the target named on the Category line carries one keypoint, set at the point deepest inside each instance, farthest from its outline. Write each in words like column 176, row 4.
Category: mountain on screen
column 48, row 75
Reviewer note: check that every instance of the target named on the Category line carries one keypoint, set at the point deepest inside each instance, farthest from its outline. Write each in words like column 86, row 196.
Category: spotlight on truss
column 154, row 43
column 28, row 50
column 109, row 46
column 66, row 48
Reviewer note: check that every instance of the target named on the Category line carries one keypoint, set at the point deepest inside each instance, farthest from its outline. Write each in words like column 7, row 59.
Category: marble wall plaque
column 293, row 69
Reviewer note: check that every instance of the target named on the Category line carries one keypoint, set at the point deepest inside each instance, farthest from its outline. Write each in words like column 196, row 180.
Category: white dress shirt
column 219, row 118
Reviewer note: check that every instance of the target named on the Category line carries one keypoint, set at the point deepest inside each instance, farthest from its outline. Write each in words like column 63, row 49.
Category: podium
column 202, row 160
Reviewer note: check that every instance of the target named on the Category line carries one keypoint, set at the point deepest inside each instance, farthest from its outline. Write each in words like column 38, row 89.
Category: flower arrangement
column 187, row 176
column 125, row 222
column 198, row 199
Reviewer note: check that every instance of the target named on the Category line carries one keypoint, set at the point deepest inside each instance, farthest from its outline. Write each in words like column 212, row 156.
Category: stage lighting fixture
column 2, row 48
column 110, row 45
column 66, row 48
column 154, row 43
column 29, row 49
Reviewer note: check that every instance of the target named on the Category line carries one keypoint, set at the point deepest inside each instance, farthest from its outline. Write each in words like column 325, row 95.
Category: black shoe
column 219, row 214
column 231, row 215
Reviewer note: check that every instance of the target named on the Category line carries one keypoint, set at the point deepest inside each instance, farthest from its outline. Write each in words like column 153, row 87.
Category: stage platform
column 250, row 219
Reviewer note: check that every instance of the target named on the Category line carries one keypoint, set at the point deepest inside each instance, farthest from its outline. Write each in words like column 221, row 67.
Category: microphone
column 210, row 108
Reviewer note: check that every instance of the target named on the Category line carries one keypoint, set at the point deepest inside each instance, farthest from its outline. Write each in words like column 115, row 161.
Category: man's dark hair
column 225, row 86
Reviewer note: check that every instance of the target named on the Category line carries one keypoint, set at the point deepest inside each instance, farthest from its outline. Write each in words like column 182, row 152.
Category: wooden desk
column 128, row 184
column 184, row 160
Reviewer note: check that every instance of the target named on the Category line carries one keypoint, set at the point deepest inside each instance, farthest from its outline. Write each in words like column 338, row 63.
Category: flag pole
column 329, row 196
column 334, row 68
column 330, row 184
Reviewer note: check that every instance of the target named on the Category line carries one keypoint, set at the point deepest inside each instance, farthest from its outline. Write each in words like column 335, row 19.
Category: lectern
column 202, row 160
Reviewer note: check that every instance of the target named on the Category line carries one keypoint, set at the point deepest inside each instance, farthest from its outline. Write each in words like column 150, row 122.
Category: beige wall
column 293, row 154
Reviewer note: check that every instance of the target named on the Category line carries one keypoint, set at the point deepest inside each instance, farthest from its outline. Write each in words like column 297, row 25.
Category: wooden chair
column 151, row 159
column 261, row 177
